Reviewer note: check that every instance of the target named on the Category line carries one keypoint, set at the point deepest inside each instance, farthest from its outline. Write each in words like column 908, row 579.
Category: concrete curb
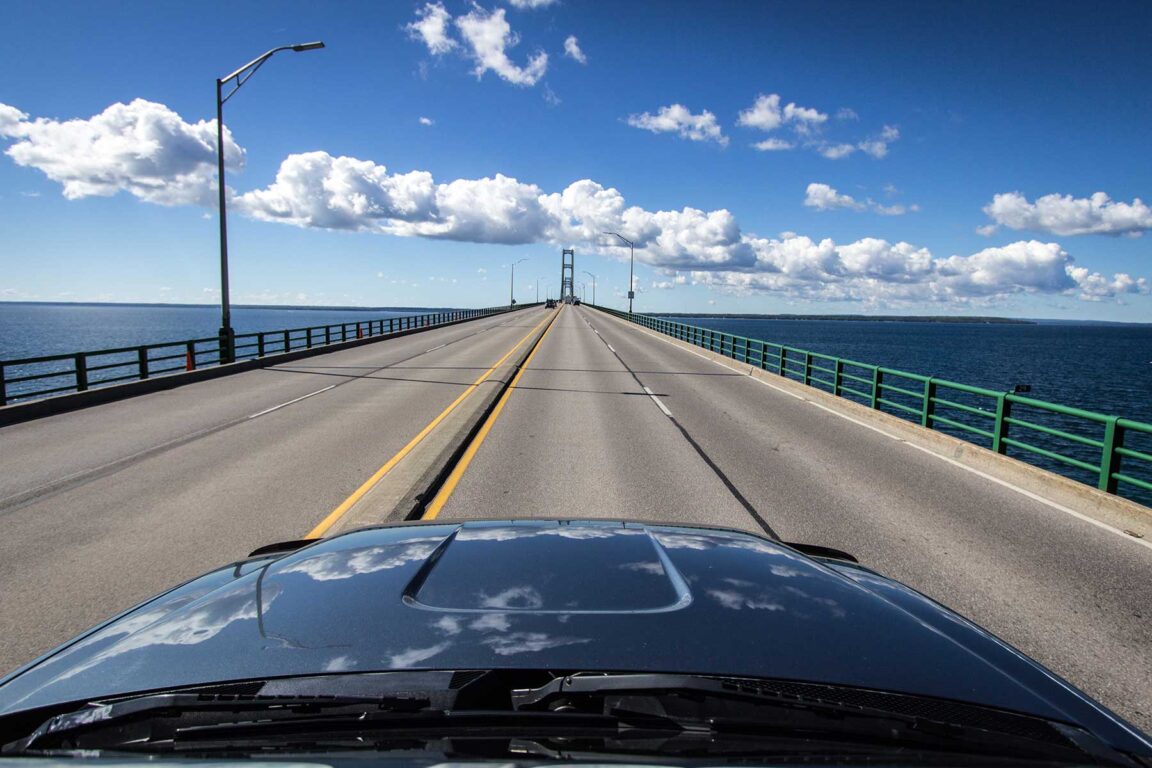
column 1109, row 509
column 50, row 406
column 403, row 493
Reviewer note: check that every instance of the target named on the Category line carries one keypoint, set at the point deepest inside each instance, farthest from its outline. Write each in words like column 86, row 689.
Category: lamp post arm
column 242, row 74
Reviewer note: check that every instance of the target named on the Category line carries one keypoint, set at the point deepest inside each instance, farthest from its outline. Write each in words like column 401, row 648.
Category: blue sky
column 887, row 157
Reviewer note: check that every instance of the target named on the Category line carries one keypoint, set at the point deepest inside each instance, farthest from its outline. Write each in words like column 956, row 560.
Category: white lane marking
column 611, row 348
column 278, row 407
column 929, row 451
column 438, row 346
column 659, row 404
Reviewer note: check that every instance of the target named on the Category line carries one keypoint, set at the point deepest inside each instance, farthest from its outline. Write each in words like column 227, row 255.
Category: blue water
column 1105, row 368
column 39, row 330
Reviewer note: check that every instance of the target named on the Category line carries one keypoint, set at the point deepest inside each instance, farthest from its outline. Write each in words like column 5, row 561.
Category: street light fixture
column 512, row 284
column 227, row 334
column 631, row 264
column 593, row 285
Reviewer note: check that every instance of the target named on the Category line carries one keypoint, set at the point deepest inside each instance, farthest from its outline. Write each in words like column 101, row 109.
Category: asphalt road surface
column 580, row 436
column 109, row 505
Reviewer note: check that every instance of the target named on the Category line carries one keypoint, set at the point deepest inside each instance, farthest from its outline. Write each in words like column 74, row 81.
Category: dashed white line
column 278, row 407
column 438, row 346
column 611, row 347
column 1003, row 483
column 659, row 404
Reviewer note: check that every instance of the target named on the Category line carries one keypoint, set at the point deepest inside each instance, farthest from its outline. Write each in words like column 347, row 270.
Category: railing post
column 327, row 334
column 764, row 355
column 1109, row 458
column 190, row 357
column 1003, row 411
column 781, row 368
column 81, row 372
column 308, row 336
column 287, row 342
column 391, row 325
column 747, row 349
column 3, row 387
column 929, row 409
column 142, row 358
column 807, row 368
column 877, row 381
column 838, row 378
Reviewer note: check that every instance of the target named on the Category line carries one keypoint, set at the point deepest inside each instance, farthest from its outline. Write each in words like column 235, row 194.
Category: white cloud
column 146, row 149
column 880, row 273
column 678, row 119
column 432, row 28
column 805, row 124
column 878, row 147
column 763, row 114
column 773, row 145
column 427, row 121
column 1066, row 215
column 572, row 49
column 531, row 4
column 822, row 197
column 142, row 148
column 836, row 151
column 488, row 36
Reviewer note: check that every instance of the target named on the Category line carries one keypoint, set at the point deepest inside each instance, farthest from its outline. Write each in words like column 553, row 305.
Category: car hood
column 566, row 595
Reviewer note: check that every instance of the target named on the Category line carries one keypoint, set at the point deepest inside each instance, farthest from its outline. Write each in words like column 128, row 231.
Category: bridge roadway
column 105, row 506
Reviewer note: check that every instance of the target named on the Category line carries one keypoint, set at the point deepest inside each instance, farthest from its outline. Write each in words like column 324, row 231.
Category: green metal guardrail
column 1111, row 452
column 81, row 371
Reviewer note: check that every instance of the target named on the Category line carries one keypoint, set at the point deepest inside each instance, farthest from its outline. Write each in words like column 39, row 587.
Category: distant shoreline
column 971, row 320
column 865, row 318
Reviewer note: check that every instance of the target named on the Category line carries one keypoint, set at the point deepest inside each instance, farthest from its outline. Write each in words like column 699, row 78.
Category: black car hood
column 557, row 595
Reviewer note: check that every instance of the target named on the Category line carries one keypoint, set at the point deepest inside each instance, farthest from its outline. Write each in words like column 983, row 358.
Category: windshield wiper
column 746, row 708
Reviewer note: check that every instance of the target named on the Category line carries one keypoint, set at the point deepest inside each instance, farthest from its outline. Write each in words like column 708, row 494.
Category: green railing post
column 1109, row 458
column 764, row 355
column 877, row 382
column 780, row 366
column 929, row 409
column 142, row 361
column 838, row 377
column 807, row 369
column 81, row 372
column 1000, row 429
column 747, row 348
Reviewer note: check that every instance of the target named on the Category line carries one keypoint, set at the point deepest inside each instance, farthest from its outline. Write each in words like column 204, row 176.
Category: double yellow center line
column 335, row 515
column 433, row 509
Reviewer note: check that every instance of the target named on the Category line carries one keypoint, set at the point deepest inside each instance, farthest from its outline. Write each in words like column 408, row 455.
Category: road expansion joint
column 720, row 474
column 77, row 479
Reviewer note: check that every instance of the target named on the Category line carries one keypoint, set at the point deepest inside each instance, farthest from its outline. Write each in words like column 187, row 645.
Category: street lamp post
column 631, row 265
column 227, row 334
column 593, row 285
column 583, row 292
column 512, row 284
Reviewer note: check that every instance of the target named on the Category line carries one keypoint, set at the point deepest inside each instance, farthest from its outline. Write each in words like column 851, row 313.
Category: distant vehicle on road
column 576, row 302
column 562, row 642
column 550, row 304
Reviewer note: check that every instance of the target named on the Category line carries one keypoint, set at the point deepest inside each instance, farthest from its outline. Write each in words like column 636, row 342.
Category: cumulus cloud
column 678, row 119
column 525, row 5
column 431, row 27
column 1066, row 215
column 877, row 272
column 823, row 197
column 142, row 148
column 427, row 121
column 488, row 36
column 150, row 152
column 805, row 124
